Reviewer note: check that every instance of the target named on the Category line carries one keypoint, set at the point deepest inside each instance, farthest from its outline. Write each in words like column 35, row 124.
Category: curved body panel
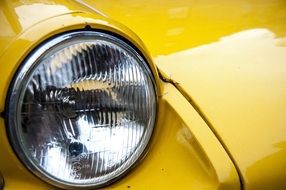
column 229, row 60
column 184, row 152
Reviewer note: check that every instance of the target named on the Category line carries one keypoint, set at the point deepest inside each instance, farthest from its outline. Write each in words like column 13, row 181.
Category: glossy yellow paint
column 229, row 59
column 243, row 97
column 170, row 26
column 226, row 57
column 183, row 154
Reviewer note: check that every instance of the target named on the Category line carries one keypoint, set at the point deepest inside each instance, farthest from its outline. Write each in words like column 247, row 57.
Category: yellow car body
column 220, row 70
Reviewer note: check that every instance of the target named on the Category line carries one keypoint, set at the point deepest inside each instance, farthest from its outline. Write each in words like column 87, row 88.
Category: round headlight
column 82, row 109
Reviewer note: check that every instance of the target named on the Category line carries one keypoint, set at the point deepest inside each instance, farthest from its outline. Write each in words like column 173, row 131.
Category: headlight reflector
column 82, row 109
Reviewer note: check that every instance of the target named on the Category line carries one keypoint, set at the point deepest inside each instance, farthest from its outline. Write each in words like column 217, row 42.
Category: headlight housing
column 82, row 109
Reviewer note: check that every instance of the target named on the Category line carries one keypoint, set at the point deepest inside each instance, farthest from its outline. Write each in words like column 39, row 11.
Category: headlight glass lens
column 82, row 109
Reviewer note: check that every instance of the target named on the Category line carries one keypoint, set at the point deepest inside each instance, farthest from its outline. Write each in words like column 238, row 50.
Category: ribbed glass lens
column 84, row 109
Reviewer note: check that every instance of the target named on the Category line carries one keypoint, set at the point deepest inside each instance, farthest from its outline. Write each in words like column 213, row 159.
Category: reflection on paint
column 171, row 26
column 239, row 85
column 27, row 16
column 16, row 17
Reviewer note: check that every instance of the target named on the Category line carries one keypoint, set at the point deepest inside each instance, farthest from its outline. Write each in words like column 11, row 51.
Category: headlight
column 82, row 109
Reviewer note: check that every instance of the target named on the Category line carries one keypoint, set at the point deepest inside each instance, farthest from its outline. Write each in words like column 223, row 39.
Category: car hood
column 229, row 60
